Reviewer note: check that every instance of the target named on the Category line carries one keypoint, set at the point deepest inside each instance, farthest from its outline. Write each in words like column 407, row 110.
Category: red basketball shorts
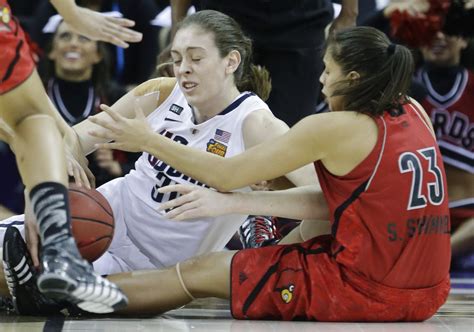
column 303, row 282
column 16, row 63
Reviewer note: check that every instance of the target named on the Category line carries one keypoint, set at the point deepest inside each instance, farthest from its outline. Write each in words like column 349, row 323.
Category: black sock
column 51, row 207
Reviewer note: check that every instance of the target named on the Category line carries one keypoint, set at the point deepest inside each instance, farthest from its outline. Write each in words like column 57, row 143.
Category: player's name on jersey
column 427, row 225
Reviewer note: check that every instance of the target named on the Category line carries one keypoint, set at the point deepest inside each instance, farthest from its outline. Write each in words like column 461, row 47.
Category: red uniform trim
column 16, row 62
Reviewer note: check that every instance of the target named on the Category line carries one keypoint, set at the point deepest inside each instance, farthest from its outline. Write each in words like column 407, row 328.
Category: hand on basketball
column 195, row 202
column 127, row 134
column 77, row 164
column 98, row 26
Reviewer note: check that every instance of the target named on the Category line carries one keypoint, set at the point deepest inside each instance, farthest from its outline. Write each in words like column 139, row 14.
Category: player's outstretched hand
column 128, row 134
column 195, row 202
column 98, row 26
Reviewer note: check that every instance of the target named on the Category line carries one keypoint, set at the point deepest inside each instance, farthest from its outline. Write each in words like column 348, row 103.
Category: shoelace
column 258, row 229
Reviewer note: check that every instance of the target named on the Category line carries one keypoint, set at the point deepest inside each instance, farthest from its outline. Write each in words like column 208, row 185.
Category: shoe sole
column 63, row 288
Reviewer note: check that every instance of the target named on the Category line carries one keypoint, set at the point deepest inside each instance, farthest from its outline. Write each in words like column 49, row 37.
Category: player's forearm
column 350, row 8
column 179, row 10
column 297, row 203
column 205, row 167
column 66, row 8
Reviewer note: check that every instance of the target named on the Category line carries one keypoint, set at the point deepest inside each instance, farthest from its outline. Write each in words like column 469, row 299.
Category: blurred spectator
column 284, row 32
column 128, row 66
column 450, row 100
column 76, row 79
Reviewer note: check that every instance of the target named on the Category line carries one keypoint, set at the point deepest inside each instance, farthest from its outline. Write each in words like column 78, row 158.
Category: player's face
column 74, row 55
column 198, row 67
column 332, row 74
column 445, row 51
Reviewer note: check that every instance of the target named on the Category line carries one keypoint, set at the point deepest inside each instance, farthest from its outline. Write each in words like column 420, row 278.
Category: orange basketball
column 92, row 221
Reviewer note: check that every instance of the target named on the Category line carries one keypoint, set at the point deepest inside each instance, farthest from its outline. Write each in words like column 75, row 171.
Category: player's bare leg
column 157, row 291
column 41, row 160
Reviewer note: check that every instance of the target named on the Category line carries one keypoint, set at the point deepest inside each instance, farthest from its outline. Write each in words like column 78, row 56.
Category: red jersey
column 388, row 257
column 390, row 218
column 16, row 62
column 452, row 116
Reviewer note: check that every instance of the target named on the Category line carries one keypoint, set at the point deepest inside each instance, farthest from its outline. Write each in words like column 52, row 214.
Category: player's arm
column 295, row 203
column 149, row 95
column 179, row 10
column 262, row 126
column 347, row 17
column 97, row 26
column 308, row 140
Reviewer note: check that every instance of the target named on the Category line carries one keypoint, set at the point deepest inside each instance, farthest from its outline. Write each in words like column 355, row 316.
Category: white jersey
column 135, row 198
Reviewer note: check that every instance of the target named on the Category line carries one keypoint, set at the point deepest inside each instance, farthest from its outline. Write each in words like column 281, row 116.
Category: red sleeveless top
column 390, row 218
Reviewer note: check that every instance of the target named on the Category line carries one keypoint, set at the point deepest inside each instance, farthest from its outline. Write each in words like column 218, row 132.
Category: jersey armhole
column 422, row 115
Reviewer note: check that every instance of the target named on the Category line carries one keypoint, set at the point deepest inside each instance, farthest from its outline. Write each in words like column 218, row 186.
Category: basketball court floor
column 210, row 315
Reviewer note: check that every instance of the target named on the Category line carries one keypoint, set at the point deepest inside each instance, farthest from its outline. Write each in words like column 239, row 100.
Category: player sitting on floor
column 212, row 106
column 382, row 174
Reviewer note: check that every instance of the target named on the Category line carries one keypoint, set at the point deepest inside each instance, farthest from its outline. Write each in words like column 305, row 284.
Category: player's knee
column 36, row 119
column 32, row 124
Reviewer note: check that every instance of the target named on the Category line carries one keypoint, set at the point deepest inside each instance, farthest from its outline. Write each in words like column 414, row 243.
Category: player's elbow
column 224, row 184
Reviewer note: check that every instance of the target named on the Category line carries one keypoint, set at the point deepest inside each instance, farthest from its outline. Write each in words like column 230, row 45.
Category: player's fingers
column 180, row 188
column 90, row 178
column 115, row 116
column 191, row 213
column 174, row 203
column 103, row 123
column 84, row 178
column 178, row 212
column 77, row 176
column 122, row 32
column 124, row 22
column 100, row 134
column 117, row 41
column 70, row 169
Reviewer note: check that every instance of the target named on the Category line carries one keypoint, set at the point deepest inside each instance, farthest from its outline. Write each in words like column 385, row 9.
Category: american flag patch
column 222, row 136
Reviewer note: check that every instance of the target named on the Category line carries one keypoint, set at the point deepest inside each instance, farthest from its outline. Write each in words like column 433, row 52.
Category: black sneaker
column 21, row 278
column 258, row 231
column 67, row 277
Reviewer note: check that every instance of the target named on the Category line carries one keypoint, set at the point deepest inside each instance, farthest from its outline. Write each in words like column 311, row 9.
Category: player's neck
column 215, row 105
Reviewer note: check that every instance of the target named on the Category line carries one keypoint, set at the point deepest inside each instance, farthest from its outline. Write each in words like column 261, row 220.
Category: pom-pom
column 419, row 29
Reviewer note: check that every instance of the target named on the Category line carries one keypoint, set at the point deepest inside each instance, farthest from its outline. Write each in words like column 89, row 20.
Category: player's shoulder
column 164, row 85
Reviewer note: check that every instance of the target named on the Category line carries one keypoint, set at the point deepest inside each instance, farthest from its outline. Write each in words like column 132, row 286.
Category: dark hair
column 385, row 70
column 228, row 36
column 100, row 71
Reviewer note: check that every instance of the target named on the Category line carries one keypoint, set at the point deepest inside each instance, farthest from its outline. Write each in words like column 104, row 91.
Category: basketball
column 92, row 221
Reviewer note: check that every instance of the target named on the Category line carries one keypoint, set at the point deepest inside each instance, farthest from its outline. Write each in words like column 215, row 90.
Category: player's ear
column 233, row 61
column 353, row 76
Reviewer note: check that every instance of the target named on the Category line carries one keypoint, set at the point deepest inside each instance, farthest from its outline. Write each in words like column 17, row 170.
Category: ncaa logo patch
column 176, row 109
column 216, row 148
